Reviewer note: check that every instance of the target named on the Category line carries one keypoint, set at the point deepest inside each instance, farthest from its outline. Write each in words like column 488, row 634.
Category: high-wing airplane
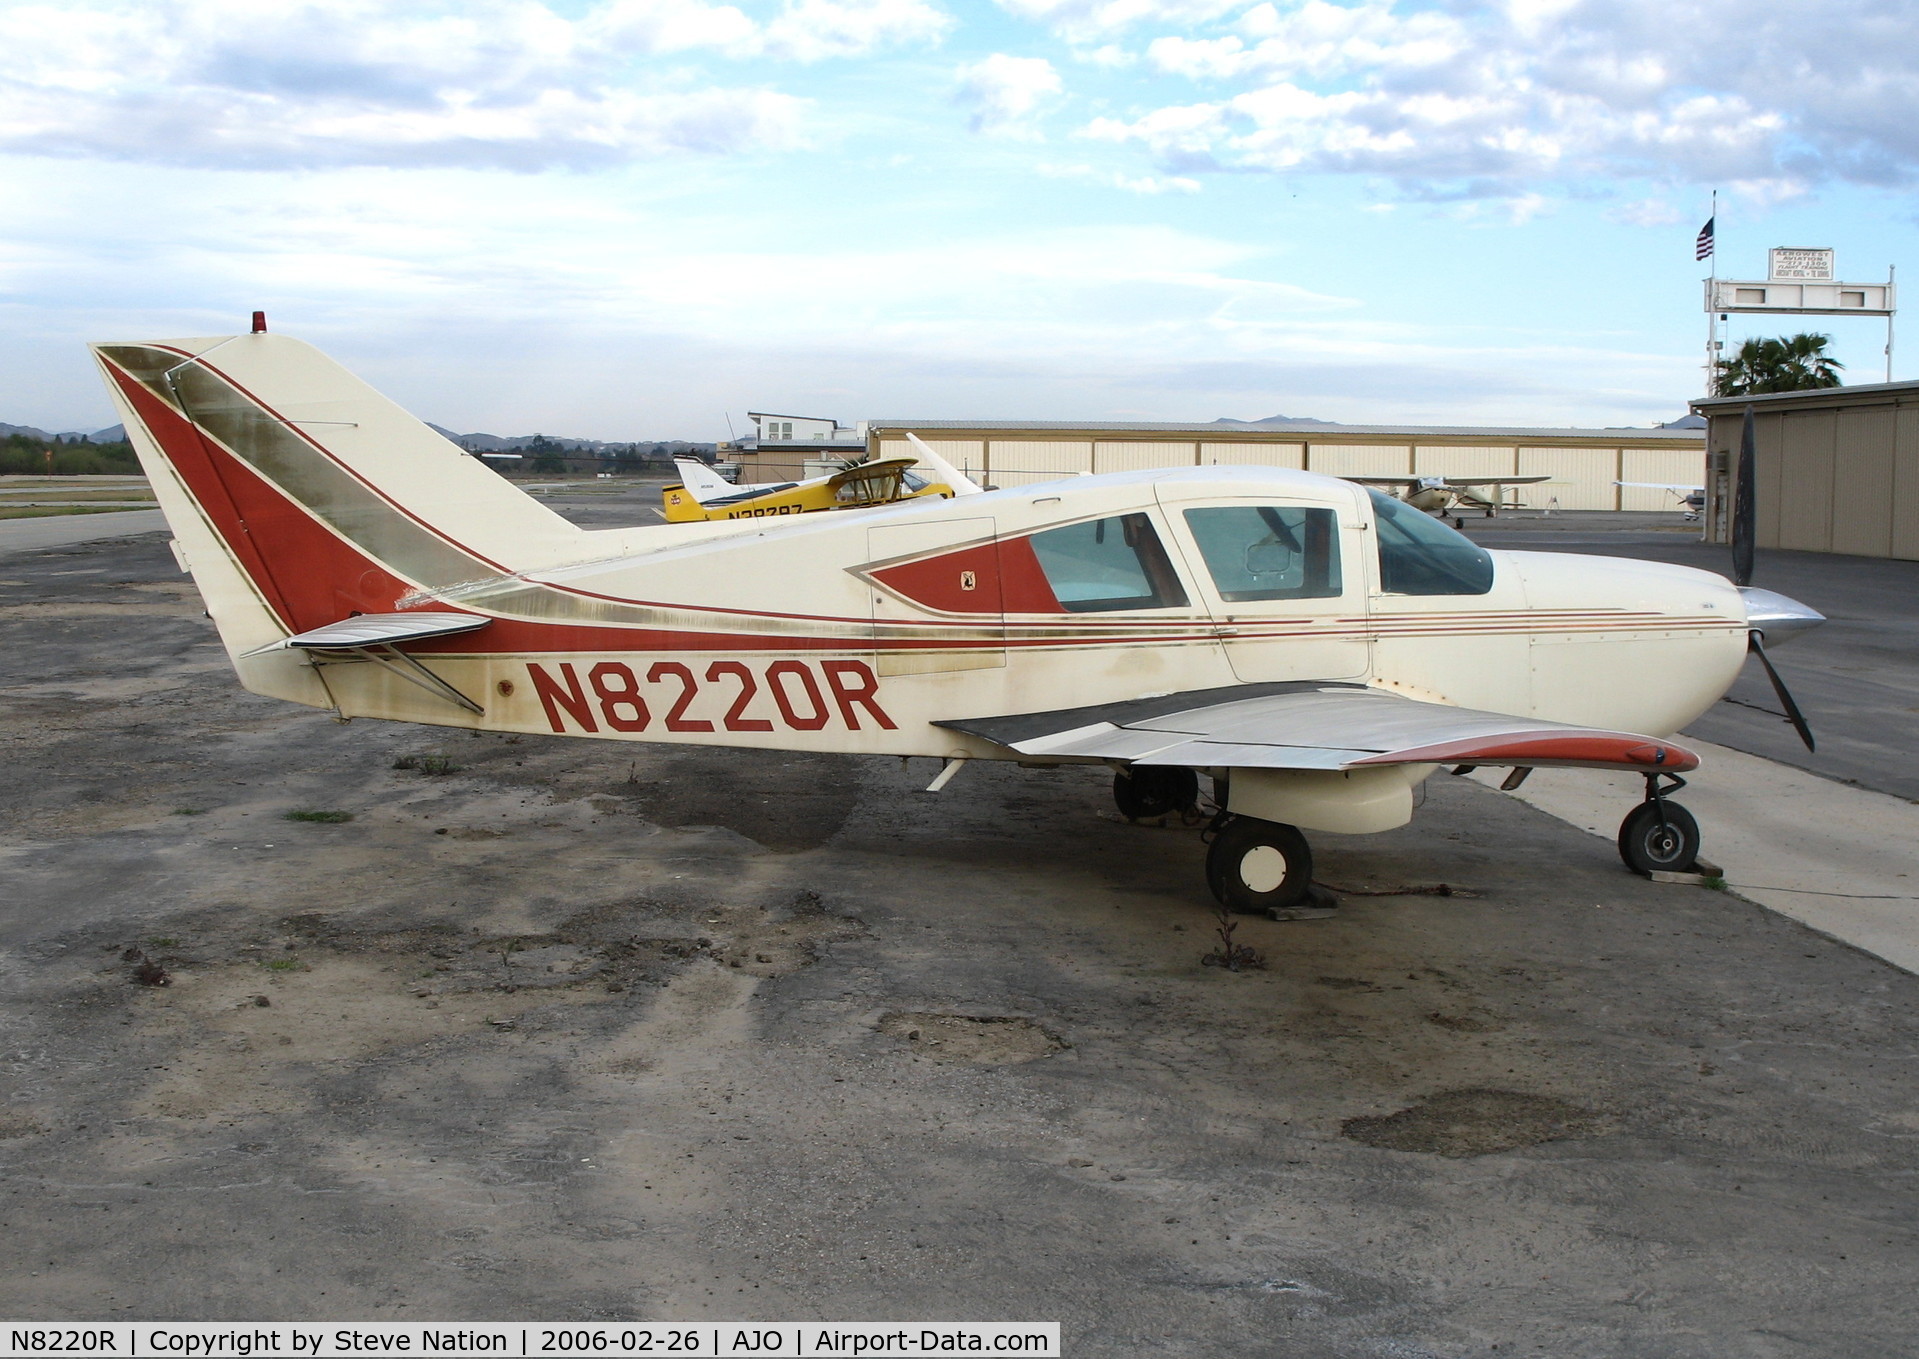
column 1692, row 499
column 704, row 495
column 1443, row 495
column 1318, row 649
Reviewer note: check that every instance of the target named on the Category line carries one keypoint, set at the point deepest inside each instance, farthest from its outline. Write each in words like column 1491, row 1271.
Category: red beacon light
column 259, row 323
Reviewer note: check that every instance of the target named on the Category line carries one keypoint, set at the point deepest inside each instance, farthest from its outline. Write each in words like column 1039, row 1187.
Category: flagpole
column 1712, row 288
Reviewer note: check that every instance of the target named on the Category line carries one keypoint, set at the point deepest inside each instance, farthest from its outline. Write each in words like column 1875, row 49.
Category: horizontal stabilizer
column 384, row 629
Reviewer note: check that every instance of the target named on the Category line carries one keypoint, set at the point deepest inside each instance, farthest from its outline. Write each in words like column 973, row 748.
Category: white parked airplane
column 1692, row 499
column 1443, row 495
column 1317, row 648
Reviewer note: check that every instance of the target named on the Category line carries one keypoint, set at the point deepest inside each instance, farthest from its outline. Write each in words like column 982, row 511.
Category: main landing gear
column 1144, row 791
column 1256, row 867
column 1659, row 836
column 1253, row 866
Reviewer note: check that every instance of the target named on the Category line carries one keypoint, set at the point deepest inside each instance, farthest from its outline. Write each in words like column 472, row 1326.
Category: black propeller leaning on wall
column 1745, row 508
column 1745, row 528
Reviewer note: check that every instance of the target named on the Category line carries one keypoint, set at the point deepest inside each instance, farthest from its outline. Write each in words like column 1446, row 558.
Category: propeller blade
column 1745, row 516
column 1793, row 715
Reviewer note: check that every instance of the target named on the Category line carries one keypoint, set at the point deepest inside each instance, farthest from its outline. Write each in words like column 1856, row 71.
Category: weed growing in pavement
column 1233, row 957
column 146, row 972
column 322, row 818
column 189, row 811
column 283, row 965
column 427, row 764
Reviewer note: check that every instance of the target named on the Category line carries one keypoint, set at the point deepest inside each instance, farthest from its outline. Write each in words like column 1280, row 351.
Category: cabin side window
column 1256, row 552
column 1108, row 564
column 1418, row 555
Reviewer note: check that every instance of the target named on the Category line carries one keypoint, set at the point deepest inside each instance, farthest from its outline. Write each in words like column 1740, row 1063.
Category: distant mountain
column 1276, row 420
column 514, row 443
column 111, row 435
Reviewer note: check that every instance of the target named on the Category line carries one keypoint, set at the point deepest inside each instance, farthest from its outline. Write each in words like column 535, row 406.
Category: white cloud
column 1005, row 91
column 1089, row 20
column 1499, row 98
column 1109, row 56
column 813, row 30
column 1646, row 212
column 492, row 83
column 647, row 27
column 1140, row 184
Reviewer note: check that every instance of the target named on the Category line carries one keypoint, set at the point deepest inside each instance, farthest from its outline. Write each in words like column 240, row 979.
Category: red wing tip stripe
column 1587, row 749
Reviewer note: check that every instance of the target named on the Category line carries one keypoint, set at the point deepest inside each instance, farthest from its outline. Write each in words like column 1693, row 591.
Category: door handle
column 1225, row 632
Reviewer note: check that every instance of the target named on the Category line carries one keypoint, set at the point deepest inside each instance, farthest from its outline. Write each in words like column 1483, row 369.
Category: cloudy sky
column 634, row 218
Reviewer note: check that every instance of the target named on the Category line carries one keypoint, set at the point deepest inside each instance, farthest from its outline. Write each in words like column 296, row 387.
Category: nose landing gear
column 1659, row 836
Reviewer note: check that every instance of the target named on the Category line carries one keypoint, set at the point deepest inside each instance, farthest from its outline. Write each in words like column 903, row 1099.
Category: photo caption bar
column 310, row 1340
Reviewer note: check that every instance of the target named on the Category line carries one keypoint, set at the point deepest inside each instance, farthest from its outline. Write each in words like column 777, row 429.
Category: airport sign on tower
column 1788, row 263
column 1800, row 282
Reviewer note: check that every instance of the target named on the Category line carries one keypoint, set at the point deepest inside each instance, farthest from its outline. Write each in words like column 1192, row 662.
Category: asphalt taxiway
column 563, row 1029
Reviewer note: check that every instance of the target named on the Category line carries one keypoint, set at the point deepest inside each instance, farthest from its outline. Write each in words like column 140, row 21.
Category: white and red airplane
column 1316, row 648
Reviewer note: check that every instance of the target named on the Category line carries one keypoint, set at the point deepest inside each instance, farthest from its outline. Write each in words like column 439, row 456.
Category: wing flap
column 1317, row 726
column 1235, row 755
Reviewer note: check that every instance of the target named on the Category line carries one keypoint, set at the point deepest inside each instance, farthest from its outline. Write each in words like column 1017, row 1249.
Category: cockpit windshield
column 1418, row 555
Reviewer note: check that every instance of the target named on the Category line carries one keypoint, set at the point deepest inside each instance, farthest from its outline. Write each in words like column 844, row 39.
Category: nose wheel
column 1256, row 866
column 1659, row 836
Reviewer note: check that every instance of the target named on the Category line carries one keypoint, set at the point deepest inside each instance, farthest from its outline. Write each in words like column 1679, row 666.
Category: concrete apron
column 63, row 530
column 1842, row 860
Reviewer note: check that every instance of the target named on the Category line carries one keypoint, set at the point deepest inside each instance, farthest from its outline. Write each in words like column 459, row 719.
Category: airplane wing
column 872, row 470
column 1496, row 481
column 1308, row 725
column 1384, row 481
column 1663, row 486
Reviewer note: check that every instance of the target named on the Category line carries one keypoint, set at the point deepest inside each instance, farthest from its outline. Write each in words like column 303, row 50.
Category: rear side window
column 1418, row 555
column 1107, row 564
column 1268, row 551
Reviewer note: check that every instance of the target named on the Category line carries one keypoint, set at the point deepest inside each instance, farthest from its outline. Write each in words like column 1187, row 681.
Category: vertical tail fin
column 300, row 496
column 702, row 482
column 942, row 470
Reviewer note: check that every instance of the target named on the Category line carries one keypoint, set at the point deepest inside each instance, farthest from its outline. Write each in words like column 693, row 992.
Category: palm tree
column 1795, row 364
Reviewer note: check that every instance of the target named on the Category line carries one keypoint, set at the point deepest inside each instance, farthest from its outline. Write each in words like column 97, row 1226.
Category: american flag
column 1702, row 248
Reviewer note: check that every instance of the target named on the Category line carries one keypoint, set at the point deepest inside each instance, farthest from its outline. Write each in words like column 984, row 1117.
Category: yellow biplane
column 703, row 494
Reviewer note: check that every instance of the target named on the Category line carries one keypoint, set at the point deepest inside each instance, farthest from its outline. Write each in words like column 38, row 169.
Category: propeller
column 1745, row 528
column 1745, row 509
column 1793, row 715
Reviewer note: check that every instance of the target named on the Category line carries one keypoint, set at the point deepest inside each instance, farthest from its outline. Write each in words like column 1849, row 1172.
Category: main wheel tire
column 1154, row 790
column 1256, row 866
column 1649, row 847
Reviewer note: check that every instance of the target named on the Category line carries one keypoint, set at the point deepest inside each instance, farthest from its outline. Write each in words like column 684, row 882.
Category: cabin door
column 1283, row 579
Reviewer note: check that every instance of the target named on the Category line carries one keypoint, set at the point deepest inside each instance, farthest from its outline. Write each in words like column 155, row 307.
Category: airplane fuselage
column 858, row 631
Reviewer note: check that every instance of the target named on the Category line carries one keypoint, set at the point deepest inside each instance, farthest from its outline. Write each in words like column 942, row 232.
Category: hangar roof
column 1316, row 430
column 1870, row 392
